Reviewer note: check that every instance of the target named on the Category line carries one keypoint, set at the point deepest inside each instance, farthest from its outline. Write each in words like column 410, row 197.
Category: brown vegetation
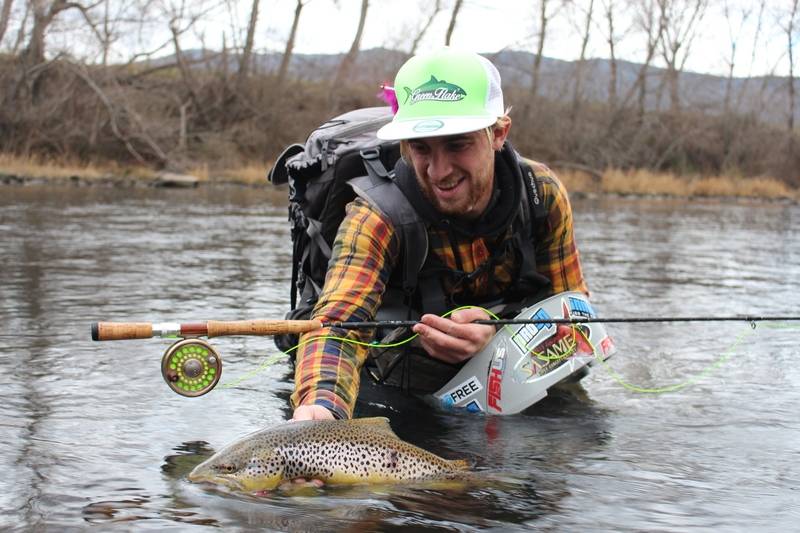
column 208, row 112
column 644, row 182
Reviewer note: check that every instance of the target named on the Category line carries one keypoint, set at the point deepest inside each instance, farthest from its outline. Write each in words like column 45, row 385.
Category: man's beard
column 464, row 207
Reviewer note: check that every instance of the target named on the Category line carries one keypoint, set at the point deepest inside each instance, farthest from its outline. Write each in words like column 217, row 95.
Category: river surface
column 93, row 439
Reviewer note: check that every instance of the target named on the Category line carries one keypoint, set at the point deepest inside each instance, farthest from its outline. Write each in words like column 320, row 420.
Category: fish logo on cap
column 436, row 90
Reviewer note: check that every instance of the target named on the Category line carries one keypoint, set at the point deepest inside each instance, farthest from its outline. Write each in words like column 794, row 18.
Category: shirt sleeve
column 557, row 255
column 329, row 360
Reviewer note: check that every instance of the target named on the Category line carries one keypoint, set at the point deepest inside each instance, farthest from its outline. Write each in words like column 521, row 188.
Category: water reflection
column 93, row 437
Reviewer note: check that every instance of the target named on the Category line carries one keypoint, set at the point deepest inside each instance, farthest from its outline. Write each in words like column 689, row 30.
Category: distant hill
column 766, row 97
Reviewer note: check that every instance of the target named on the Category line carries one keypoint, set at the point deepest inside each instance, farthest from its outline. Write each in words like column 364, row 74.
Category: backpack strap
column 534, row 216
column 378, row 188
column 533, row 189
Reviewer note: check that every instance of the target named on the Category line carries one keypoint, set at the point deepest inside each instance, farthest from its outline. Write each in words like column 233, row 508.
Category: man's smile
column 448, row 188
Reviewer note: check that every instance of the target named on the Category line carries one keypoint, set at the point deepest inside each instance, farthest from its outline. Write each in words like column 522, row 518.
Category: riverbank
column 20, row 171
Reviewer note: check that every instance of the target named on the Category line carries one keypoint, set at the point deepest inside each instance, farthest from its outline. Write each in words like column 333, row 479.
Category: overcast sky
column 489, row 26
column 328, row 26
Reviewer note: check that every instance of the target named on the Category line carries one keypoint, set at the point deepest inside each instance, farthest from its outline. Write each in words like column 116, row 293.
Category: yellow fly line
column 716, row 364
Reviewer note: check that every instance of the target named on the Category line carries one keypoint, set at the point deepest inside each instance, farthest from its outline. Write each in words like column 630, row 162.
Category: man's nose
column 439, row 164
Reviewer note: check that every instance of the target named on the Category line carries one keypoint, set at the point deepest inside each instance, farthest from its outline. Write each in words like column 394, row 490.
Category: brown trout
column 339, row 452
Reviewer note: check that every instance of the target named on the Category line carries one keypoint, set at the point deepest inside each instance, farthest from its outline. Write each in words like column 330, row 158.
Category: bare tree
column 21, row 32
column 350, row 58
column 649, row 22
column 612, row 37
column 44, row 12
column 580, row 64
column 287, row 52
column 681, row 19
column 183, row 66
column 543, row 19
column 452, row 25
column 736, row 20
column 755, row 46
column 789, row 26
column 437, row 7
column 245, row 59
column 5, row 13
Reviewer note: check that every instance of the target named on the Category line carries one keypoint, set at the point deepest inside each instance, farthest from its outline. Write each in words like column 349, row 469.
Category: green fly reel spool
column 191, row 367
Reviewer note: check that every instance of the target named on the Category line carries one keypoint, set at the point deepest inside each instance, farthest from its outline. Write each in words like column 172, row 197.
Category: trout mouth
column 204, row 475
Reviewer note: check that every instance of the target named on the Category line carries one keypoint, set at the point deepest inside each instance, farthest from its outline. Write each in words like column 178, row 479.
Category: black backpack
column 318, row 174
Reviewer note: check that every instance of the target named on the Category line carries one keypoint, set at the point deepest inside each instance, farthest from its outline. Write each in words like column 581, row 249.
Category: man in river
column 498, row 235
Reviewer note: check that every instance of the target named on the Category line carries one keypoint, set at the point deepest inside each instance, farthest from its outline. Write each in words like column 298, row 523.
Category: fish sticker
column 565, row 341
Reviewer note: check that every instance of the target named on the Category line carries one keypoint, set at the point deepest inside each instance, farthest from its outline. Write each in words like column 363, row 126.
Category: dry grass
column 640, row 182
column 37, row 167
column 254, row 173
column 644, row 182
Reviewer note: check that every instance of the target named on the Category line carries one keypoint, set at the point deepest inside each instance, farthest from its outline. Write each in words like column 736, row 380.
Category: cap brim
column 398, row 130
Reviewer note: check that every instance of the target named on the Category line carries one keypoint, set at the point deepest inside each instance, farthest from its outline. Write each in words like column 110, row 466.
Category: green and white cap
column 446, row 92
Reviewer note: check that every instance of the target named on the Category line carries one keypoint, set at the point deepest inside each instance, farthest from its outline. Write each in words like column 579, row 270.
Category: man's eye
column 457, row 146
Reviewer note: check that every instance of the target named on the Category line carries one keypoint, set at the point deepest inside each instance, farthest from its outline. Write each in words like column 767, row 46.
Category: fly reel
column 191, row 367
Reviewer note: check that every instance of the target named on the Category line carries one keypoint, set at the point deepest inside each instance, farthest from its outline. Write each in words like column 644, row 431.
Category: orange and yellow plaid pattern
column 366, row 250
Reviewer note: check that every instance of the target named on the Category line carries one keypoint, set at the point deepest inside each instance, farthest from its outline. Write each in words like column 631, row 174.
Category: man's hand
column 455, row 339
column 311, row 412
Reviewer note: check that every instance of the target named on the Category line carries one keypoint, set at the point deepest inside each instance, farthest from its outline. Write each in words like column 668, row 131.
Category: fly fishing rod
column 192, row 366
column 114, row 331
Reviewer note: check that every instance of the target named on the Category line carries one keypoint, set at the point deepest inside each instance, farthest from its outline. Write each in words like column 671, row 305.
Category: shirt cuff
column 332, row 403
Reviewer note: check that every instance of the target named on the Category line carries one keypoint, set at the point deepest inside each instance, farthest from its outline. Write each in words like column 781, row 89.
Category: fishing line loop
column 576, row 330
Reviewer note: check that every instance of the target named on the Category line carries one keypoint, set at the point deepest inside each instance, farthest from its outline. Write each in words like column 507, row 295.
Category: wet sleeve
column 557, row 255
column 329, row 360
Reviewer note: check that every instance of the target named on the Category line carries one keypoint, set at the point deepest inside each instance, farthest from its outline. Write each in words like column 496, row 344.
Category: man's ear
column 500, row 132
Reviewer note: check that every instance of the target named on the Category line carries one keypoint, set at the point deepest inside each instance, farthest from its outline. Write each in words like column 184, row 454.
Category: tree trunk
column 580, row 65
column 436, row 8
column 247, row 53
column 42, row 17
column 612, row 78
column 350, row 58
column 790, row 35
column 452, row 26
column 224, row 58
column 22, row 31
column 537, row 59
column 653, row 25
column 681, row 21
column 186, row 73
column 287, row 52
column 5, row 12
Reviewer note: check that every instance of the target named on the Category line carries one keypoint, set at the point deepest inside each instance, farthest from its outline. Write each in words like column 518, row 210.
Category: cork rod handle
column 118, row 331
column 261, row 327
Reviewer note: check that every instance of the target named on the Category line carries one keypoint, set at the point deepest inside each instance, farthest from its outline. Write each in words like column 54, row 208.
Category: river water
column 92, row 438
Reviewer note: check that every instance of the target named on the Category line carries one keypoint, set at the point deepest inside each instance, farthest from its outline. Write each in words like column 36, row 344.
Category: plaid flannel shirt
column 365, row 252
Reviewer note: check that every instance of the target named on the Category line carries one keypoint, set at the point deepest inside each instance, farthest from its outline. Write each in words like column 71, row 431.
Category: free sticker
column 463, row 391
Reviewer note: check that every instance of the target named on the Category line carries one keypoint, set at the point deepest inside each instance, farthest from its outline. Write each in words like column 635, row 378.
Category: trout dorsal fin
column 375, row 423
column 460, row 464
